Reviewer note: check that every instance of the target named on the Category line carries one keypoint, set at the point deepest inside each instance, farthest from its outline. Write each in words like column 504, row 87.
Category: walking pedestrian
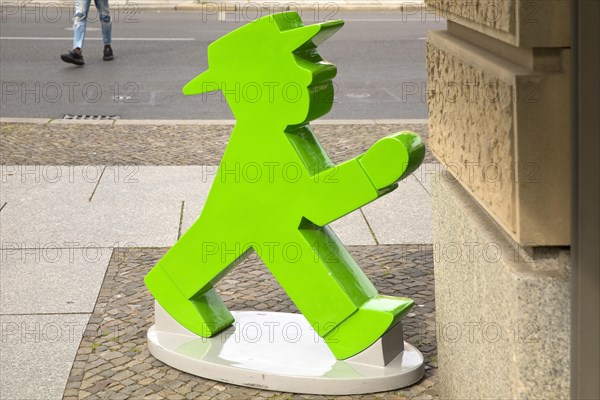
column 82, row 8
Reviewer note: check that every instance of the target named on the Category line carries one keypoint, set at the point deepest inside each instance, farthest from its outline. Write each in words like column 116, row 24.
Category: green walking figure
column 276, row 190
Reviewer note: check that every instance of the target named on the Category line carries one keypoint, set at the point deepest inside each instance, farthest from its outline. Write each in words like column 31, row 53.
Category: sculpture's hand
column 393, row 158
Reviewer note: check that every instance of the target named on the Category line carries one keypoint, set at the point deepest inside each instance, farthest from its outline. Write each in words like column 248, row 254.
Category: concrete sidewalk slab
column 130, row 206
column 25, row 183
column 151, row 206
column 156, row 204
column 46, row 205
column 403, row 216
column 61, row 213
column 155, row 183
column 427, row 172
column 51, row 280
column 352, row 229
column 37, row 354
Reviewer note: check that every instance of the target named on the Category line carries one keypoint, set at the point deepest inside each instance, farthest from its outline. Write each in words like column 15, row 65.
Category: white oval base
column 276, row 351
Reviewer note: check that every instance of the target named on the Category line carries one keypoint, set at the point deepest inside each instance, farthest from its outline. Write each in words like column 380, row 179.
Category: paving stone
column 71, row 393
column 392, row 268
column 143, row 392
column 146, row 381
column 141, row 367
column 79, row 144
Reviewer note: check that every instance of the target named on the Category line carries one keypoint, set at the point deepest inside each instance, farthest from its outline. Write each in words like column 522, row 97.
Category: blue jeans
column 82, row 8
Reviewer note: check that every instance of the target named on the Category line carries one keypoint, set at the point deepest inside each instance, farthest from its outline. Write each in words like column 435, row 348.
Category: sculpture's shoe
column 193, row 313
column 365, row 326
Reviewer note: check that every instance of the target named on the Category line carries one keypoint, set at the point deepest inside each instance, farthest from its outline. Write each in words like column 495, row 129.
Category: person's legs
column 82, row 8
column 106, row 23
column 105, row 20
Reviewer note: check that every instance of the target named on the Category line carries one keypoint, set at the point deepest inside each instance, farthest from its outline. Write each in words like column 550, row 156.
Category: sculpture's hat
column 253, row 50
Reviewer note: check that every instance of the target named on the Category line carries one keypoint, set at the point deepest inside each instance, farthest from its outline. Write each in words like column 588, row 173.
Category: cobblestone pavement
column 113, row 361
column 83, row 144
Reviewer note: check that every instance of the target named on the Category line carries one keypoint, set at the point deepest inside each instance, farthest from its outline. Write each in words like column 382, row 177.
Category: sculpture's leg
column 182, row 280
column 204, row 314
column 332, row 292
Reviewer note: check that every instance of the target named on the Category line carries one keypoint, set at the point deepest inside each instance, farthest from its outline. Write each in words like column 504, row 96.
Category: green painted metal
column 276, row 190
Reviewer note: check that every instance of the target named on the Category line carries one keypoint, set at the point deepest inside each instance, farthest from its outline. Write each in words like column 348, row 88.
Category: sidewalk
column 87, row 209
column 216, row 6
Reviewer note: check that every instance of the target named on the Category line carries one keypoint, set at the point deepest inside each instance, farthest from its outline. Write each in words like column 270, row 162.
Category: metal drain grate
column 91, row 117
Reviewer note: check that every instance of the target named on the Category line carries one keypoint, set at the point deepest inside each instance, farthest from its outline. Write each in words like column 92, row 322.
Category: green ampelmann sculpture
column 276, row 190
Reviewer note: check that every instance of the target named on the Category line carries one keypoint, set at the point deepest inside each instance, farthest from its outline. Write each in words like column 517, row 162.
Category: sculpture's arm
column 346, row 187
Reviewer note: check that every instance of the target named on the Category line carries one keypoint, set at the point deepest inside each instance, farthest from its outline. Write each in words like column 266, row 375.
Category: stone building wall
column 499, row 122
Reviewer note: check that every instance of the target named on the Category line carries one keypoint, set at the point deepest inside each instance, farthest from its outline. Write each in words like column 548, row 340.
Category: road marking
column 114, row 39
column 87, row 29
column 388, row 91
column 153, row 95
column 358, row 95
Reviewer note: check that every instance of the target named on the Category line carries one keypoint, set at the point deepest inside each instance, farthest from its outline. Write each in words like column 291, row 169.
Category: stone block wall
column 499, row 122
column 502, row 311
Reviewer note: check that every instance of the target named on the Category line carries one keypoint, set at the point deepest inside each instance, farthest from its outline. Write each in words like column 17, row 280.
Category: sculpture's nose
column 314, row 34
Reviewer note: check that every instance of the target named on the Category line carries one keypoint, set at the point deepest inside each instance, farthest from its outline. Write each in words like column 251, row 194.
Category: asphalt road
column 380, row 58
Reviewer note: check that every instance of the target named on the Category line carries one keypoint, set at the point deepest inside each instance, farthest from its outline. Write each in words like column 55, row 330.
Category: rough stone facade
column 527, row 23
column 499, row 122
column 498, row 119
column 478, row 147
column 499, row 15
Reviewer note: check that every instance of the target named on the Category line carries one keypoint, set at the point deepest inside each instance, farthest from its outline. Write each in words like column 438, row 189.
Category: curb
column 199, row 122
